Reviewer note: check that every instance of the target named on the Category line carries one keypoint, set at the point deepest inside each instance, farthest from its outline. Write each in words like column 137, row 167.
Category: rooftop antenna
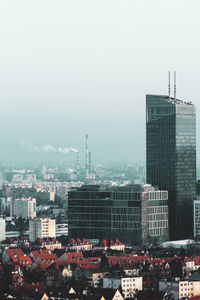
column 174, row 85
column 169, row 84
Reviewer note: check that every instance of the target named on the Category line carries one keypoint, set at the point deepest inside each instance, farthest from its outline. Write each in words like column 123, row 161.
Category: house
column 79, row 245
column 23, row 260
column 191, row 264
column 71, row 256
column 49, row 243
column 43, row 255
column 113, row 244
column 9, row 253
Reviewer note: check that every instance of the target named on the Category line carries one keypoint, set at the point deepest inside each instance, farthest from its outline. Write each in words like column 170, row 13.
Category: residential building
column 79, row 245
column 25, row 207
column 2, row 229
column 40, row 228
column 129, row 284
column 171, row 157
column 4, row 206
column 48, row 243
column 133, row 213
column 180, row 288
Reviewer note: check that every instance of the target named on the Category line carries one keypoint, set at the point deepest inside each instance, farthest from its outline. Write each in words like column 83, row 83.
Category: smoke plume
column 46, row 148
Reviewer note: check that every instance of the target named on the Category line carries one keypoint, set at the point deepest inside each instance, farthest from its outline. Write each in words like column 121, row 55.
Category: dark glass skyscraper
column 171, row 157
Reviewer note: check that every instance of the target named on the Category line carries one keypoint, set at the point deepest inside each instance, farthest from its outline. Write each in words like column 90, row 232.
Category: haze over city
column 74, row 67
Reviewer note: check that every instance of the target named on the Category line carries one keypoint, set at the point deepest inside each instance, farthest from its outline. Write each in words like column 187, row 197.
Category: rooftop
column 171, row 99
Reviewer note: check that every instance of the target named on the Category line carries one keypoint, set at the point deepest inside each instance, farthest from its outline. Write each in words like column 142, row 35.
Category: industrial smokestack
column 87, row 158
column 77, row 164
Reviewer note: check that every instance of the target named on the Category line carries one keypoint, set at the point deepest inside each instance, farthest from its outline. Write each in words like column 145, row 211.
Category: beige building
column 52, row 196
column 180, row 288
column 129, row 284
column 40, row 228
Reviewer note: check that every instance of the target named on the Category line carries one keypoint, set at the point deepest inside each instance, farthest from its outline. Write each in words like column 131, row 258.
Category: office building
column 197, row 219
column 171, row 157
column 135, row 213
column 89, row 212
column 40, row 228
column 25, row 207
column 2, row 229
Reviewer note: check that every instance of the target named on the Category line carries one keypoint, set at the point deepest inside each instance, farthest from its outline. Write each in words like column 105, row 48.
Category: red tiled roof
column 44, row 254
column 73, row 255
column 22, row 259
column 195, row 259
column 12, row 252
column 78, row 242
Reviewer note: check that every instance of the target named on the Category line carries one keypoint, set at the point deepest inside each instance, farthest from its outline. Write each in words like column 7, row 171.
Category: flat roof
column 171, row 99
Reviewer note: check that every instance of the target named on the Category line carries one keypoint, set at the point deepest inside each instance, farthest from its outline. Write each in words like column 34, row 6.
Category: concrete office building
column 40, row 228
column 171, row 157
column 133, row 213
column 25, row 208
column 2, row 229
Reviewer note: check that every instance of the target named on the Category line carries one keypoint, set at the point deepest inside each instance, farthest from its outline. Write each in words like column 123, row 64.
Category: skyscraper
column 171, row 157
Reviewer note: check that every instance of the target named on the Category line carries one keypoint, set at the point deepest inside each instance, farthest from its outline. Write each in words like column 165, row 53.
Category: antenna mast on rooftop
column 174, row 85
column 169, row 84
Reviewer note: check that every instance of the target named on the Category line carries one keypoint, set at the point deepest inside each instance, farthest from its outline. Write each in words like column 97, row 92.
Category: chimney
column 87, row 158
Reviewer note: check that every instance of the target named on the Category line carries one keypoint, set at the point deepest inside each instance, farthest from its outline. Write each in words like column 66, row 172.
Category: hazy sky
column 68, row 67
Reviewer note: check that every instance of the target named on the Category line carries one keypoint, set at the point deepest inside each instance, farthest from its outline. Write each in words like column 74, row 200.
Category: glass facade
column 89, row 210
column 97, row 212
column 171, row 158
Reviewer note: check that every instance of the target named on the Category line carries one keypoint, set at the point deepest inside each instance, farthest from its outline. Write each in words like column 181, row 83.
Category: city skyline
column 74, row 70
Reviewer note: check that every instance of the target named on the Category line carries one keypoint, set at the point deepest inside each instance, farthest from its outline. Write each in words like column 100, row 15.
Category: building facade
column 40, row 228
column 180, row 288
column 171, row 157
column 128, row 284
column 2, row 229
column 25, row 208
column 197, row 219
column 135, row 213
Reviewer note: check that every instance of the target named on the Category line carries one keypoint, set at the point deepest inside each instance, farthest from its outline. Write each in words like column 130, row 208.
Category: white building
column 180, row 288
column 197, row 218
column 129, row 284
column 2, row 229
column 40, row 228
column 25, row 208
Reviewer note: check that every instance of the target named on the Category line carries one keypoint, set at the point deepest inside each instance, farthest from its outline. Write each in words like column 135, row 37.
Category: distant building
column 48, row 243
column 128, row 284
column 40, row 228
column 6, row 191
column 197, row 219
column 4, row 206
column 134, row 213
column 52, row 196
column 180, row 288
column 79, row 245
column 171, row 158
column 113, row 244
column 2, row 229
column 25, row 207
